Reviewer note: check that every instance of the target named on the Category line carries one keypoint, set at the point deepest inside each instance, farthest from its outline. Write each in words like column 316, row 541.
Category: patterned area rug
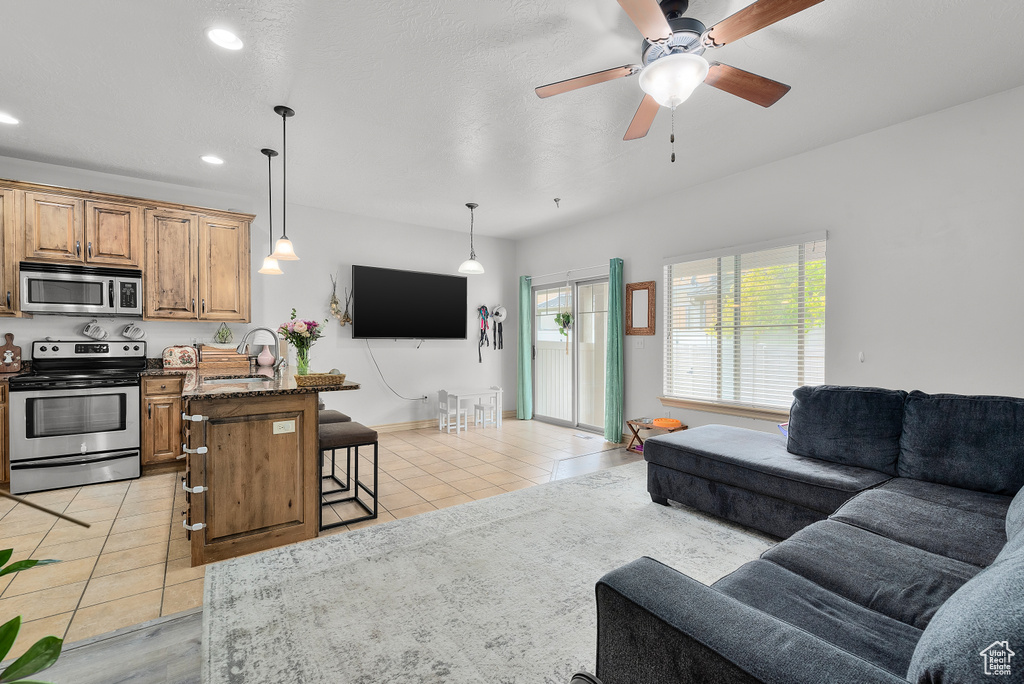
column 496, row 590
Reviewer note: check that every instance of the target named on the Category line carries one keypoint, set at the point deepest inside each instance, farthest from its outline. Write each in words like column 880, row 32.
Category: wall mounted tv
column 392, row 304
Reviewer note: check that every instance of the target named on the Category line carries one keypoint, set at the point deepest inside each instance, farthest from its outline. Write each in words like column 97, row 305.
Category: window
column 746, row 329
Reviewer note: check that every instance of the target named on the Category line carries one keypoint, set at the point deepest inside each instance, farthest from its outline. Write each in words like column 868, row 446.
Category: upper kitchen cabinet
column 64, row 228
column 196, row 267
column 224, row 269
column 170, row 276
column 113, row 234
column 54, row 229
column 9, row 257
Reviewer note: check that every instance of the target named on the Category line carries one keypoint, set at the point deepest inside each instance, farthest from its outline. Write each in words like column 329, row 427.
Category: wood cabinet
column 54, row 228
column 259, row 474
column 113, row 234
column 197, row 267
column 65, row 228
column 9, row 257
column 161, row 419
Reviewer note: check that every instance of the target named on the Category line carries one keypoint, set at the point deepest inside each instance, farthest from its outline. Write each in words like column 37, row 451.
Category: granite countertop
column 198, row 386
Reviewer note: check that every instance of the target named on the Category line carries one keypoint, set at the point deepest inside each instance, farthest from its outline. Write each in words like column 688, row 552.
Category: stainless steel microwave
column 80, row 290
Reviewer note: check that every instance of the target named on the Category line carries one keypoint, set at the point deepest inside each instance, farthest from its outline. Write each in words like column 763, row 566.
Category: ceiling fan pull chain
column 672, row 138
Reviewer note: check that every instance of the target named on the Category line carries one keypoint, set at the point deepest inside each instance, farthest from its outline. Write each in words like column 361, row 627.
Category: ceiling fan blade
column 584, row 81
column 756, row 89
column 755, row 17
column 643, row 118
column 649, row 18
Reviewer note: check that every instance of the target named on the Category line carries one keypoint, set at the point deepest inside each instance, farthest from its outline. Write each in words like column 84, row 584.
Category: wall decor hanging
column 640, row 308
column 484, row 315
column 564, row 321
column 223, row 334
column 499, row 314
column 342, row 316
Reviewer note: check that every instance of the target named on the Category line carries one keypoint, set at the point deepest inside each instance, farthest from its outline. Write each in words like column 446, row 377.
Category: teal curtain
column 524, row 388
column 614, row 378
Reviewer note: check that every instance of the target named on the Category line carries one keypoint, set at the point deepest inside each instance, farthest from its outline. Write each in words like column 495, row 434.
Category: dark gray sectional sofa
column 904, row 559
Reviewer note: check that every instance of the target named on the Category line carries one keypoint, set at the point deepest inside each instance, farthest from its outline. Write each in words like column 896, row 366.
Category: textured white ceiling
column 407, row 110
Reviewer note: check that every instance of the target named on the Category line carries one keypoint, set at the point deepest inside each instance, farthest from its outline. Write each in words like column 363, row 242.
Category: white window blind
column 746, row 329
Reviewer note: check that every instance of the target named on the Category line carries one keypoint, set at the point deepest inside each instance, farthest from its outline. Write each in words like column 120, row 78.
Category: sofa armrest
column 658, row 626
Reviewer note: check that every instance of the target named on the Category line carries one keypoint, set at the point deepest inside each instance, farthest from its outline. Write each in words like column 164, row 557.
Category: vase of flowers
column 301, row 334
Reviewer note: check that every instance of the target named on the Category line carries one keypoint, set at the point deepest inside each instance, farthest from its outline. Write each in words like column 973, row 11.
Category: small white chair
column 497, row 404
column 484, row 413
column 447, row 409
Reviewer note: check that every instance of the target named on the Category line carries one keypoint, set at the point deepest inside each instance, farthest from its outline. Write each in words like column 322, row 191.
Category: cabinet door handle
column 149, row 410
column 204, row 304
column 78, row 248
column 89, row 249
column 193, row 305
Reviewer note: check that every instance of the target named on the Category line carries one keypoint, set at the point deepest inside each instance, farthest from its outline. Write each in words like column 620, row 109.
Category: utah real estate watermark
column 997, row 657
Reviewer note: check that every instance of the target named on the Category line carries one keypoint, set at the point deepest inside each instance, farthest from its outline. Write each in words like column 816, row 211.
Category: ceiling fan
column 672, row 62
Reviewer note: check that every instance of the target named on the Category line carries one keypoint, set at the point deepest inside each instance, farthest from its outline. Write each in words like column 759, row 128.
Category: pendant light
column 283, row 250
column 270, row 266
column 471, row 266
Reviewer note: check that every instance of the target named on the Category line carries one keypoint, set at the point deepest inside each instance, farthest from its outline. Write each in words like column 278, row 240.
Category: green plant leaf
column 25, row 565
column 8, row 633
column 40, row 656
column 5, row 555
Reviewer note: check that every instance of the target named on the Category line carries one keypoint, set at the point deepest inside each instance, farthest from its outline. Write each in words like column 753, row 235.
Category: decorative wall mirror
column 640, row 308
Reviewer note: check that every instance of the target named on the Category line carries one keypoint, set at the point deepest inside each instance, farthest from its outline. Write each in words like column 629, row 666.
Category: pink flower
column 300, row 326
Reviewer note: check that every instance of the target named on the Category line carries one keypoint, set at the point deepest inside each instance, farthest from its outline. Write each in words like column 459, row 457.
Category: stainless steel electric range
column 74, row 419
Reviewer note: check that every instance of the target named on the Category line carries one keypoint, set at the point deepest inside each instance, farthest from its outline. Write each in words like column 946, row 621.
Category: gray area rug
column 499, row 590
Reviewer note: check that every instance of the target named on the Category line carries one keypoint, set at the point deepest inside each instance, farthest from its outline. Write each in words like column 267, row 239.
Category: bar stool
column 347, row 435
column 327, row 417
column 332, row 416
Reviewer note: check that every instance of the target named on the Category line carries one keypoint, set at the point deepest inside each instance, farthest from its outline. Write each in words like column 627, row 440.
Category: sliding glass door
column 569, row 361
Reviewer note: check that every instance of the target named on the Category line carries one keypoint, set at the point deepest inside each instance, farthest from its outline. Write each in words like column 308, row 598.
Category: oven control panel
column 76, row 349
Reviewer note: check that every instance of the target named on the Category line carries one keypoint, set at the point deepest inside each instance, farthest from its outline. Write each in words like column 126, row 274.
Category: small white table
column 460, row 394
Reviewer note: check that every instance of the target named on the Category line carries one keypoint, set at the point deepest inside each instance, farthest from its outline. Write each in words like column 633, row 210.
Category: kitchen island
column 252, row 463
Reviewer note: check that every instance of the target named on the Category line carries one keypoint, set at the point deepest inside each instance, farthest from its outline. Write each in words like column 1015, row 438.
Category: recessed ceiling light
column 226, row 39
column 8, row 119
column 210, row 159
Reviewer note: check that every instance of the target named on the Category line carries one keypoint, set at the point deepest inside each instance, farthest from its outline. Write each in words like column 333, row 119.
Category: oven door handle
column 110, row 292
column 70, row 461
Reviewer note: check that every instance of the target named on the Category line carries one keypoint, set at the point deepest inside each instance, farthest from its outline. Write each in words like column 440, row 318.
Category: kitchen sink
column 236, row 381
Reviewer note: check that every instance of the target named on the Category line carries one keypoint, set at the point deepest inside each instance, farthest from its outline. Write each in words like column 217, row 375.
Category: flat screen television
column 392, row 304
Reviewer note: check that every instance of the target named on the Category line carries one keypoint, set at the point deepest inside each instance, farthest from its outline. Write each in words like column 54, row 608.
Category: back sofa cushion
column 964, row 441
column 858, row 426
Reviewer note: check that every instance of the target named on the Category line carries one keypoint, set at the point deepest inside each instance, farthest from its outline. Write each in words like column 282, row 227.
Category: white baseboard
column 421, row 424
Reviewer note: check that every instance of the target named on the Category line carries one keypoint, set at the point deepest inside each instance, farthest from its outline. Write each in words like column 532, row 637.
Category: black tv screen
column 388, row 303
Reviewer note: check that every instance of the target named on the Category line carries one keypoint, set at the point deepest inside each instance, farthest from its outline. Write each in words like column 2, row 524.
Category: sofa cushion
column 969, row 537
column 857, row 426
column 758, row 462
column 964, row 441
column 828, row 616
column 973, row 626
column 993, row 505
column 894, row 579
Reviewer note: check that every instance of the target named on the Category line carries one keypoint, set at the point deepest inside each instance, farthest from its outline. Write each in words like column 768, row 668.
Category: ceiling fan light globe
column 671, row 79
column 471, row 267
column 284, row 250
column 270, row 266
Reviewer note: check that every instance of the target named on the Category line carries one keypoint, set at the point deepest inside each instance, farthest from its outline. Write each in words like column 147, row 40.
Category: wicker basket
column 320, row 380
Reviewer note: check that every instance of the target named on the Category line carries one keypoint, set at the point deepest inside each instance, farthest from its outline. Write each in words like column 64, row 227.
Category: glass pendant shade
column 270, row 266
column 471, row 267
column 672, row 79
column 284, row 251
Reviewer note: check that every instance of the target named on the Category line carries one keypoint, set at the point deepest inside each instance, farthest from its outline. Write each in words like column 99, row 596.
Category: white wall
column 926, row 240
column 327, row 242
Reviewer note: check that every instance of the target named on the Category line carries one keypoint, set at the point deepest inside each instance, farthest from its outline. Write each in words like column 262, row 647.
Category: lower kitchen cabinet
column 161, row 419
column 5, row 461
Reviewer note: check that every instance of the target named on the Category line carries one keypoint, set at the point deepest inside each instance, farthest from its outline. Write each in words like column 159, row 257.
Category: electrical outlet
column 283, row 427
column 638, row 343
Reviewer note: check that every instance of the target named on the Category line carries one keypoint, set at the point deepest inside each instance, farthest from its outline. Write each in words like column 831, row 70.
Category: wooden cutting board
column 10, row 356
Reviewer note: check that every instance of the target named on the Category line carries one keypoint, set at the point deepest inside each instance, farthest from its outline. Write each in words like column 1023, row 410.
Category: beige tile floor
column 133, row 564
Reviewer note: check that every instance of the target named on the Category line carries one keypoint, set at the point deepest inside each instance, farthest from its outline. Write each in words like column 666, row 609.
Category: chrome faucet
column 278, row 359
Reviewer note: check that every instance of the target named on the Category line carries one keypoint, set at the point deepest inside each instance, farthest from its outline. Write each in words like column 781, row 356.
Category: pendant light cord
column 270, row 200
column 284, row 176
column 472, row 252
